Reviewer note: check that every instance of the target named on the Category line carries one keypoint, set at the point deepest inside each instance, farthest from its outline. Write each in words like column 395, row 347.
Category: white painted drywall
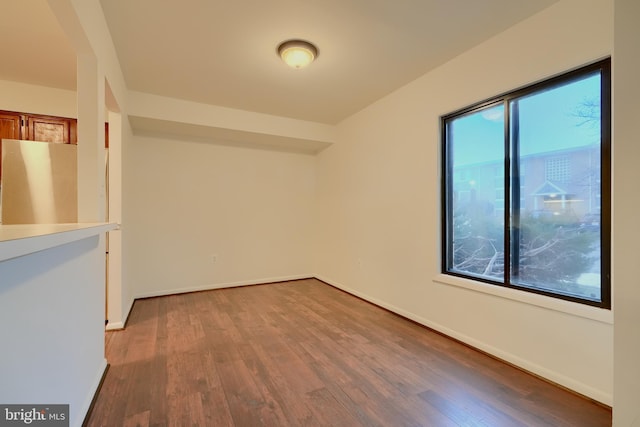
column 188, row 201
column 378, row 223
column 230, row 119
column 115, row 303
column 27, row 98
column 99, row 70
column 51, row 311
column 626, row 233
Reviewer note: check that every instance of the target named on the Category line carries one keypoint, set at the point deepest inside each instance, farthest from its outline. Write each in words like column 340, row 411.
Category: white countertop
column 23, row 239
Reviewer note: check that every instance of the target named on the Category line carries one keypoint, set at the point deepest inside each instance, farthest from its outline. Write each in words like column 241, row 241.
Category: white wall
column 626, row 234
column 53, row 346
column 186, row 201
column 99, row 70
column 26, row 98
column 378, row 205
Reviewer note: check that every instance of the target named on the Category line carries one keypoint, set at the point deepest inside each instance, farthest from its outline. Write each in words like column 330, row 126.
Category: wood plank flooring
column 305, row 354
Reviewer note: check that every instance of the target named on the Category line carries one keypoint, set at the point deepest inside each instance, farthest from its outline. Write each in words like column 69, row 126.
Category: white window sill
column 550, row 303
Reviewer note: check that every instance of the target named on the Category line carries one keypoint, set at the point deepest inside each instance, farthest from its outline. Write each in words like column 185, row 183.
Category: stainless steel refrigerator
column 38, row 183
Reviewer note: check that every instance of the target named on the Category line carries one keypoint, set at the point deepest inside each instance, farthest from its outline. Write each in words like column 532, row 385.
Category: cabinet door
column 48, row 129
column 9, row 129
column 73, row 130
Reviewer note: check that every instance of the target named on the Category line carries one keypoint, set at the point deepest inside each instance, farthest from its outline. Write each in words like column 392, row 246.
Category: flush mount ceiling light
column 297, row 53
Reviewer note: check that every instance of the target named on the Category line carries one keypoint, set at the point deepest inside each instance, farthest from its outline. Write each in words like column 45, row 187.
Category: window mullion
column 514, row 191
column 507, row 193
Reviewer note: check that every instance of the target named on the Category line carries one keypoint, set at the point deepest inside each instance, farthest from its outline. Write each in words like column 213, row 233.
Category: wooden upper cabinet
column 9, row 125
column 50, row 129
column 35, row 127
column 9, row 129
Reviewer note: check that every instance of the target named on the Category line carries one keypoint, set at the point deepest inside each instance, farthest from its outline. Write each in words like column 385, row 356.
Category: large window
column 547, row 231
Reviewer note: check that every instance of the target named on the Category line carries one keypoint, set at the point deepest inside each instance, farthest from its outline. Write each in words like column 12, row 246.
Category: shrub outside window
column 548, row 233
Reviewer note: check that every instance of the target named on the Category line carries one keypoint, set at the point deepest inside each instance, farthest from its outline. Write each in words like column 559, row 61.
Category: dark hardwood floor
column 305, row 354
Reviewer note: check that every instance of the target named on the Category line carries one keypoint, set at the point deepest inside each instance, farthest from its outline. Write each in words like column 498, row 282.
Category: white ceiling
column 223, row 52
column 35, row 50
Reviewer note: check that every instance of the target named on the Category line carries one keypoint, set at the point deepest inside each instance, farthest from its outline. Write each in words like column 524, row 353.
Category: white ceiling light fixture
column 297, row 53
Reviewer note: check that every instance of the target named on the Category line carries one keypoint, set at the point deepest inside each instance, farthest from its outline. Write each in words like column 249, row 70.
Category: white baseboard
column 92, row 392
column 113, row 326
column 221, row 286
column 524, row 364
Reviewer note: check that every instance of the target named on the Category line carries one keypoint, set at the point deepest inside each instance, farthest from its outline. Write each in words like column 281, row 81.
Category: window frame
column 602, row 66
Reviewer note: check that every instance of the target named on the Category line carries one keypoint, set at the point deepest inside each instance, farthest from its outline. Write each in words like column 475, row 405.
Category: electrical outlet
column 214, row 258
